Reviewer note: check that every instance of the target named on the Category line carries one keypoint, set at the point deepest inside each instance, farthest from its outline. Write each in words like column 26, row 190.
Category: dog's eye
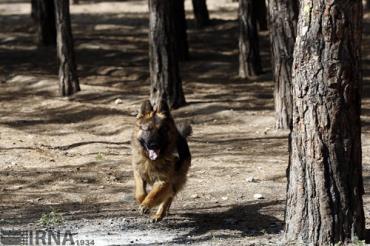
column 142, row 142
column 163, row 129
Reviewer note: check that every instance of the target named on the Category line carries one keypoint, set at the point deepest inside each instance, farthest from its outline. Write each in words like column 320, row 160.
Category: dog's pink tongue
column 153, row 154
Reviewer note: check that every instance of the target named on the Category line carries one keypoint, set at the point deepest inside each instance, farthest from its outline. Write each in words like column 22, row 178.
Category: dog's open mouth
column 153, row 154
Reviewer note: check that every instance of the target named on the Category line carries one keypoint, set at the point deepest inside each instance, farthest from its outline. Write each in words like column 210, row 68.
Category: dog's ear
column 146, row 108
column 162, row 108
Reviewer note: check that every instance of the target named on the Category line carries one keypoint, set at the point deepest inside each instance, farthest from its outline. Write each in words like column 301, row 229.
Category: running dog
column 160, row 157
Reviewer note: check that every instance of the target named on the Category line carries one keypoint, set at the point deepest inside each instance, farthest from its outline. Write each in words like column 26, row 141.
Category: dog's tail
column 184, row 129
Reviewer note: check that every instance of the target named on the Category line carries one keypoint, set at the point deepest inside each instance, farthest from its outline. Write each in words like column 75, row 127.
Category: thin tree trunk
column 260, row 11
column 325, row 187
column 182, row 47
column 201, row 13
column 164, row 68
column 68, row 80
column 249, row 54
column 283, row 20
column 46, row 31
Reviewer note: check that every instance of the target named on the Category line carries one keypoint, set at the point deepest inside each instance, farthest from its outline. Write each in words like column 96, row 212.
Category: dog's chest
column 158, row 170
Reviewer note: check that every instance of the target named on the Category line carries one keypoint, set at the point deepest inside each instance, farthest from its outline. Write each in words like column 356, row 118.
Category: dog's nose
column 153, row 145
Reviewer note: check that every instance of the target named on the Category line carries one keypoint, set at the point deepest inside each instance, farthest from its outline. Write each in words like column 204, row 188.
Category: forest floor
column 72, row 155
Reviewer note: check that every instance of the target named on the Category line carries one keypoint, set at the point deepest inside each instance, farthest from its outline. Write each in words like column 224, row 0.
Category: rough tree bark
column 43, row 12
column 201, row 13
column 283, row 21
column 325, row 187
column 182, row 47
column 260, row 11
column 249, row 54
column 163, row 64
column 68, row 79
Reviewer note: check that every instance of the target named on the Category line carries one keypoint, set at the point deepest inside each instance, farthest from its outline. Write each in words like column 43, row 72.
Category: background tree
column 43, row 11
column 260, row 11
column 249, row 54
column 34, row 13
column 201, row 13
column 283, row 20
column 325, row 187
column 68, row 80
column 163, row 64
column 182, row 47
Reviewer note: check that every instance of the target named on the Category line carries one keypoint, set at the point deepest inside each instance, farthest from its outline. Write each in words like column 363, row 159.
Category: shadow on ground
column 241, row 220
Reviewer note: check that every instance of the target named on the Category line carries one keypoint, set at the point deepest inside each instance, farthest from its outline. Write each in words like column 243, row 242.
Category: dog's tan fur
column 167, row 174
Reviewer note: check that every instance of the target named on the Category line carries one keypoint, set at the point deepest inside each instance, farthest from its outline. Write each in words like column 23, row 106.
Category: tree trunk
column 201, row 13
column 45, row 11
column 68, row 80
column 34, row 10
column 283, row 20
column 182, row 48
column 249, row 54
column 325, row 187
column 260, row 11
column 163, row 64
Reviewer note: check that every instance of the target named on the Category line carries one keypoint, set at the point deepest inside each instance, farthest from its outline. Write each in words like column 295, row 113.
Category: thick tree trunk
column 283, row 20
column 34, row 10
column 260, row 11
column 325, row 188
column 68, row 80
column 164, row 68
column 45, row 16
column 182, row 47
column 201, row 13
column 249, row 54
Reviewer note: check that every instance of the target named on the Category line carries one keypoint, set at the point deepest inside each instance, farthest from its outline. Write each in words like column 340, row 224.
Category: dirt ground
column 72, row 155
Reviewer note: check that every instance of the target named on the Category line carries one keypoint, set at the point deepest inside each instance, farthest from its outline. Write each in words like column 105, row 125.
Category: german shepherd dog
column 160, row 158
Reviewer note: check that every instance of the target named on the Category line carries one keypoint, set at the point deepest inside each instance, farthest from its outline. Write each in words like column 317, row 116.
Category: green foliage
column 355, row 242
column 358, row 242
column 99, row 156
column 50, row 219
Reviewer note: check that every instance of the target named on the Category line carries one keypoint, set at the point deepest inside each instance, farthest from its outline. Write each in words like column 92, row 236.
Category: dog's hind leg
column 162, row 210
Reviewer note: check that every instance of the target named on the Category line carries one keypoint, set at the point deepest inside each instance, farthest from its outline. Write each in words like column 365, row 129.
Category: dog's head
column 153, row 128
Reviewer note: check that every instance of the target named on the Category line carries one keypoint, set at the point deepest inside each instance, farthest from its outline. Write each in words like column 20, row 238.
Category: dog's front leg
column 160, row 192
column 162, row 210
column 140, row 188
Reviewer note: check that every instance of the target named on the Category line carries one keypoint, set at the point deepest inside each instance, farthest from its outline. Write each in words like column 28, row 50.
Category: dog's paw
column 140, row 198
column 156, row 218
column 144, row 209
